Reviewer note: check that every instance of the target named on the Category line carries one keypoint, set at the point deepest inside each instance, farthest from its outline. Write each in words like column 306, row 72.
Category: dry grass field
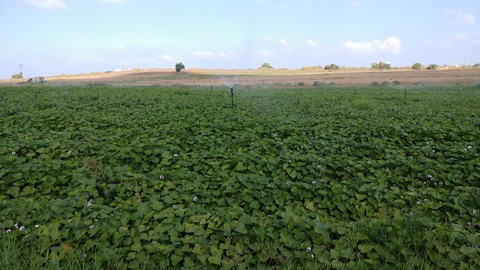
column 265, row 77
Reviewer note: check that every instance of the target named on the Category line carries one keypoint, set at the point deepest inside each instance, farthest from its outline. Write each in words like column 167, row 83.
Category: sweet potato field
column 173, row 177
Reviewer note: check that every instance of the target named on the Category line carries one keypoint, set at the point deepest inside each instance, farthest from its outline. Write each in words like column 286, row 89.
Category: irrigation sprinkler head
column 231, row 92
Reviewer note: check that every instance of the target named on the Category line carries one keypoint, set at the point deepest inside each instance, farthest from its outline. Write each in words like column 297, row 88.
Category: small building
column 37, row 80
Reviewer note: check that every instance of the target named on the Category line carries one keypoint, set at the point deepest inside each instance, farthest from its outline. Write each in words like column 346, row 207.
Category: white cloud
column 264, row 38
column 283, row 42
column 167, row 57
column 460, row 36
column 209, row 55
column 311, row 43
column 459, row 17
column 48, row 4
column 265, row 53
column 390, row 45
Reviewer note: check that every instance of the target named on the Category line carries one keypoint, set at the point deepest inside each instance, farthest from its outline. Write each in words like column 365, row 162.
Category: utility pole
column 20, row 66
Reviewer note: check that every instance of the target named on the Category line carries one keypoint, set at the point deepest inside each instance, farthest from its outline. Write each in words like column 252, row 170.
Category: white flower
column 195, row 199
column 22, row 228
column 90, row 202
column 474, row 211
column 14, row 153
column 37, row 225
column 15, row 225
column 84, row 256
column 419, row 202
column 441, row 183
column 8, row 231
column 433, row 151
column 70, row 220
column 161, row 177
column 308, row 249
column 69, row 152
column 314, row 182
column 313, row 256
column 175, row 155
column 469, row 147
column 470, row 224
column 92, row 226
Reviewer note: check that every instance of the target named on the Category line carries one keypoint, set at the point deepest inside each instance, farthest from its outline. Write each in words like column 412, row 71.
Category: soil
column 274, row 77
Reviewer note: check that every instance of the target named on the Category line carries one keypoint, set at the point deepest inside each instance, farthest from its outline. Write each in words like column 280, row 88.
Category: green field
column 159, row 178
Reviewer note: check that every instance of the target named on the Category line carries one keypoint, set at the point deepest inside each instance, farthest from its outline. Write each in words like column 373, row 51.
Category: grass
column 417, row 236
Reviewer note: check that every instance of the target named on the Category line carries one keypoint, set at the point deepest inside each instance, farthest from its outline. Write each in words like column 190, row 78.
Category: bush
column 331, row 67
column 17, row 76
column 381, row 65
column 265, row 66
column 417, row 66
column 432, row 66
column 476, row 65
column 179, row 67
column 319, row 83
column 301, row 84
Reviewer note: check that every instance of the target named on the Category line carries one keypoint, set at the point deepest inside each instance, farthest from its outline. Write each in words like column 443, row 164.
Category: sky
column 54, row 37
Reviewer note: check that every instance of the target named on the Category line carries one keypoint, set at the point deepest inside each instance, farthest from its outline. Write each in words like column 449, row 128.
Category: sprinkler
column 231, row 92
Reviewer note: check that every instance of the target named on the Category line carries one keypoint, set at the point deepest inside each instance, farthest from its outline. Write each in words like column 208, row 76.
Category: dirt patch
column 282, row 77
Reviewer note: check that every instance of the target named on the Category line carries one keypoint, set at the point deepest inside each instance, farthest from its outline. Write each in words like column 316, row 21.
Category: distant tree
column 417, row 66
column 432, row 66
column 331, row 67
column 17, row 76
column 179, row 67
column 381, row 65
column 476, row 65
column 266, row 66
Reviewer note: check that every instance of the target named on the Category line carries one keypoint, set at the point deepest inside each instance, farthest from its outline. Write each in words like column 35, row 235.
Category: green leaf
column 310, row 206
column 469, row 251
column 156, row 205
column 191, row 228
column 216, row 256
column 365, row 248
column 241, row 228
column 197, row 249
column 245, row 219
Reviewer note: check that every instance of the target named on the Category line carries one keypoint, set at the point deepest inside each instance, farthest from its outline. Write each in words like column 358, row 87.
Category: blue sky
column 52, row 37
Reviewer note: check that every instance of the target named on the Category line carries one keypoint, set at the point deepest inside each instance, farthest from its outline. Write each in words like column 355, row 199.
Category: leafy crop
column 306, row 178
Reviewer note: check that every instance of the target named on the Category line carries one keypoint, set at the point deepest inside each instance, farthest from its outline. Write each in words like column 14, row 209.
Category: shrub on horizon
column 331, row 67
column 417, row 66
column 179, row 67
